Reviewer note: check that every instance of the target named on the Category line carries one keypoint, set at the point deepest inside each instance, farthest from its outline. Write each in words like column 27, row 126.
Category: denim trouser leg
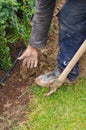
column 70, row 39
column 68, row 46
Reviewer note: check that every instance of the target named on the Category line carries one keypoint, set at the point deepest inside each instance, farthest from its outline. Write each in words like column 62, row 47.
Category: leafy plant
column 15, row 24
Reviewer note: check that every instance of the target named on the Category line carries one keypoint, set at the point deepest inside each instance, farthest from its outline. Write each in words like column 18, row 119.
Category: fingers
column 30, row 63
column 36, row 62
column 21, row 57
column 24, row 55
column 24, row 63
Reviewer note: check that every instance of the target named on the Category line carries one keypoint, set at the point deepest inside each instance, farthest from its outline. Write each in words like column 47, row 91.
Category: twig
column 23, row 94
column 2, row 119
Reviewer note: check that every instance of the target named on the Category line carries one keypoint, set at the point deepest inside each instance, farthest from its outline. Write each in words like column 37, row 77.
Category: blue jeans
column 72, row 32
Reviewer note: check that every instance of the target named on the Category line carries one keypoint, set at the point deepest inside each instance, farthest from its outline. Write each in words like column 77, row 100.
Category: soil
column 14, row 92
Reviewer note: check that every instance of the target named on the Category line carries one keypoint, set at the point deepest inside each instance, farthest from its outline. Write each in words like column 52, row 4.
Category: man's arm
column 41, row 22
column 40, row 28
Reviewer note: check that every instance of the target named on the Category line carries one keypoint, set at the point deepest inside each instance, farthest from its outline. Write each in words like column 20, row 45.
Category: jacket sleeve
column 41, row 22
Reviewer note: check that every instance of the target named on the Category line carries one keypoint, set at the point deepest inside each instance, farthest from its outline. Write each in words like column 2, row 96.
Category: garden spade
column 61, row 79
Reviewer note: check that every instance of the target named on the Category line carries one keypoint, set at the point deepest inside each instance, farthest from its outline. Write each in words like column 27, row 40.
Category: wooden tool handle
column 73, row 61
column 67, row 70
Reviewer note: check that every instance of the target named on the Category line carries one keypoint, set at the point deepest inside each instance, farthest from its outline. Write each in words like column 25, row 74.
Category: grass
column 64, row 110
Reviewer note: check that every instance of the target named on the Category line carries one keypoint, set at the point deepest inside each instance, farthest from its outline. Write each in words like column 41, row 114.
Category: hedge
column 15, row 24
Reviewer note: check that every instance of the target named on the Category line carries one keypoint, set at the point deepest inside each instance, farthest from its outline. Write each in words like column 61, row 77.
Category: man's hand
column 29, row 57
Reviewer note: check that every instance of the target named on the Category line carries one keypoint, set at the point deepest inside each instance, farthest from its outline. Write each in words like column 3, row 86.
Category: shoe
column 48, row 79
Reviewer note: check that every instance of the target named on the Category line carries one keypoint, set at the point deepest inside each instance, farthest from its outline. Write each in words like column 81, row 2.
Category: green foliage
column 15, row 19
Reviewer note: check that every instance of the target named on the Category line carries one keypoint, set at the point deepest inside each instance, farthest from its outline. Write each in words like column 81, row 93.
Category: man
column 72, row 32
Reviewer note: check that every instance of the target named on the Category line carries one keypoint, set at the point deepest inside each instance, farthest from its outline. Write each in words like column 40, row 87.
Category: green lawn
column 64, row 110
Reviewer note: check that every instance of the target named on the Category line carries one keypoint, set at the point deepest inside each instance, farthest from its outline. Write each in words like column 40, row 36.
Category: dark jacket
column 41, row 22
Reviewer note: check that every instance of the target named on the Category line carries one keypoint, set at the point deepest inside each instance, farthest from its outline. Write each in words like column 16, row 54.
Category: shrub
column 15, row 19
